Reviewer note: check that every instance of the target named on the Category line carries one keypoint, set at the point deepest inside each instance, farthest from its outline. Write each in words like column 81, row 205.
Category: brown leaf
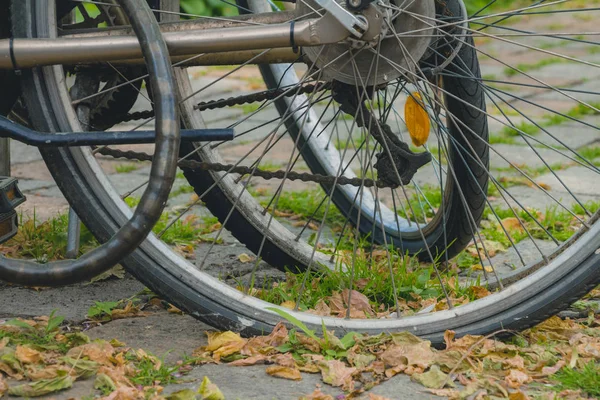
column 12, row 373
column 336, row 373
column 321, row 308
column 27, row 355
column 317, row 395
column 284, row 372
column 289, row 304
column 285, row 360
column 49, row 372
column 3, row 386
column 479, row 292
column 125, row 393
column 358, row 301
column 547, row 371
column 252, row 360
column 377, row 397
column 419, row 355
column 130, row 311
column 512, row 224
column 518, row 396
column 516, row 378
column 245, row 258
column 100, row 351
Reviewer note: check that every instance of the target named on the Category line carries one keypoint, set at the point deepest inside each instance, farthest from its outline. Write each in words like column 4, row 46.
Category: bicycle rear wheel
column 550, row 283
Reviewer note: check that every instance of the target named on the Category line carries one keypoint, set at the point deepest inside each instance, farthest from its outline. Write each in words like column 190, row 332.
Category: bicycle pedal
column 10, row 195
column 10, row 198
column 9, row 225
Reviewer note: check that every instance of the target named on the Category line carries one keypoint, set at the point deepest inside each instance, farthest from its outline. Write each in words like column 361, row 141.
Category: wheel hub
column 355, row 61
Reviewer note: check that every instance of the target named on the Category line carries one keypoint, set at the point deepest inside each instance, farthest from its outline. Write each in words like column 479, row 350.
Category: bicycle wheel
column 393, row 219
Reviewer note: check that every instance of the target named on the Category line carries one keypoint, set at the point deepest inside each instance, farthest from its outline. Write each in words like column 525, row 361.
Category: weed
column 151, row 371
column 124, row 168
column 305, row 203
column 585, row 378
column 39, row 336
column 45, row 241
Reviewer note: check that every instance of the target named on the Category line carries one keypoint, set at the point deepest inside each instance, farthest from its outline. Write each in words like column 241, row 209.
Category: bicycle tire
column 569, row 275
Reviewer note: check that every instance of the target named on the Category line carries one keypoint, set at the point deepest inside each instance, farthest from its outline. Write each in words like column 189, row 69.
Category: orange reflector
column 417, row 119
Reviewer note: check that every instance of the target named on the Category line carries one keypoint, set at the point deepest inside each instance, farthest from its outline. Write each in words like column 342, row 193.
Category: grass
column 414, row 281
column 124, row 168
column 585, row 378
column 41, row 337
column 575, row 113
column 303, row 203
column 45, row 241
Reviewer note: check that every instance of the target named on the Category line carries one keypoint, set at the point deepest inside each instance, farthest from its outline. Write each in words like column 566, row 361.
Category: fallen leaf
column 547, row 371
column 104, row 382
column 125, row 393
column 27, row 355
column 42, row 387
column 100, row 351
column 289, row 304
column 252, row 360
column 518, row 396
column 3, row 386
column 83, row 368
column 210, row 391
column 377, row 397
column 335, row 373
column 284, row 372
column 219, row 339
column 317, row 395
column 478, row 267
column 479, row 292
column 512, row 224
column 433, row 379
column 516, row 378
column 49, row 372
column 185, row 394
column 245, row 258
column 130, row 311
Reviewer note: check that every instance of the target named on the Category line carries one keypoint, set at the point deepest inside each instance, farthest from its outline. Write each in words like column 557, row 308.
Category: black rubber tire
column 572, row 279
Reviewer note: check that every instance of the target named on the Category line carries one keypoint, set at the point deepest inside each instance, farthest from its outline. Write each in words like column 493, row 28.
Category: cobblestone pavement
column 547, row 147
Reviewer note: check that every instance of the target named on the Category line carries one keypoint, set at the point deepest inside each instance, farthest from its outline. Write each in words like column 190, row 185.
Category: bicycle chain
column 237, row 169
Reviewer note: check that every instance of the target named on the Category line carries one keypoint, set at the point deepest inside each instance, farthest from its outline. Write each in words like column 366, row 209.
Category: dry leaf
column 42, row 387
column 130, row 311
column 289, row 304
column 377, row 397
column 210, row 391
column 218, row 339
column 3, row 386
column 27, row 355
column 100, row 351
column 252, row 360
column 284, row 372
column 317, row 395
column 336, row 373
column 125, row 393
column 516, row 378
column 518, row 396
column 512, row 224
column 478, row 267
column 245, row 258
column 479, row 292
column 433, row 379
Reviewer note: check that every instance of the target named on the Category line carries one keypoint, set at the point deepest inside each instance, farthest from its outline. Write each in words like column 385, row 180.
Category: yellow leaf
column 417, row 119
column 518, row 396
column 28, row 355
column 284, row 372
column 219, row 339
column 245, row 258
column 289, row 304
column 99, row 351
column 478, row 267
column 210, row 391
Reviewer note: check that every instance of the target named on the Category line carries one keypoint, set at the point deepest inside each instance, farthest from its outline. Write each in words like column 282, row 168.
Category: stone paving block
column 31, row 185
column 572, row 135
column 524, row 155
column 579, row 179
column 533, row 197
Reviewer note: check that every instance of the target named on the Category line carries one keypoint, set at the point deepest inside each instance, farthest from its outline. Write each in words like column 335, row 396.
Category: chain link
column 237, row 169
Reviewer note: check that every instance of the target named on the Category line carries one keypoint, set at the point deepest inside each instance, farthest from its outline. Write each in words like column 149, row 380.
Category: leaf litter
column 38, row 357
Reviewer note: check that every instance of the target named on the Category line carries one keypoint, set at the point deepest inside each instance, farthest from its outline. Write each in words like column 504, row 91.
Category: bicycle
column 384, row 211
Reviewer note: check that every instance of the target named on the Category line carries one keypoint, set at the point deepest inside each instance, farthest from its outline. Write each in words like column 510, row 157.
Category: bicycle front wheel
column 436, row 215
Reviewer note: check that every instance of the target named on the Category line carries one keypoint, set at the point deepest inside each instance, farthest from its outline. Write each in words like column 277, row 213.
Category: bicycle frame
column 208, row 41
